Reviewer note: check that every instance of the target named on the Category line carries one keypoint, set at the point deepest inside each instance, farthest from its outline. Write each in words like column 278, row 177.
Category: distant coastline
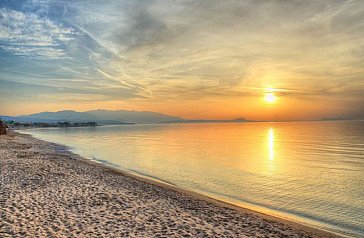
column 105, row 117
column 129, row 117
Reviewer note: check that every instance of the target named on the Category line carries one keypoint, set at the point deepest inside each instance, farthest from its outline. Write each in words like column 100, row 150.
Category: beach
column 47, row 191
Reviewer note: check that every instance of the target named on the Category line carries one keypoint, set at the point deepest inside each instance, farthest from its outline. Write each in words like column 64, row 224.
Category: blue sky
column 195, row 59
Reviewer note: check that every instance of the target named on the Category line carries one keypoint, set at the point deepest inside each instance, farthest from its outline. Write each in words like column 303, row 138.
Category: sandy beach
column 47, row 191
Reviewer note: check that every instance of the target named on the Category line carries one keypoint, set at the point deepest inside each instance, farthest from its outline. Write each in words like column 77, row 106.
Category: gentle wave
column 311, row 172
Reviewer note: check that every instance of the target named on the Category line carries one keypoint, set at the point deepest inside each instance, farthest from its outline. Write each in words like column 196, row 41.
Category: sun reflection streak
column 271, row 144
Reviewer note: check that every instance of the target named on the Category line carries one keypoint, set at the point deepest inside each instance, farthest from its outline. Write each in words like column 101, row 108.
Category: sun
column 270, row 98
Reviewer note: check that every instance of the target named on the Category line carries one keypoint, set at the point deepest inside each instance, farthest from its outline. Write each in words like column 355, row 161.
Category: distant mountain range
column 107, row 117
column 119, row 117
column 140, row 117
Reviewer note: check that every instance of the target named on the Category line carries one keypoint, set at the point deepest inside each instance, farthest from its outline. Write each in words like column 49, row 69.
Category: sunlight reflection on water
column 271, row 143
column 309, row 171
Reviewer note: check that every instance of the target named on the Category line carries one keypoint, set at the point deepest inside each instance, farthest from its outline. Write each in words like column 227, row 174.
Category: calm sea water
column 311, row 172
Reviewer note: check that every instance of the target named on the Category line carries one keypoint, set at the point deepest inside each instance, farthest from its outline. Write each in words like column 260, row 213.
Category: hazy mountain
column 334, row 119
column 26, row 119
column 133, row 116
column 68, row 115
column 106, row 117
column 100, row 116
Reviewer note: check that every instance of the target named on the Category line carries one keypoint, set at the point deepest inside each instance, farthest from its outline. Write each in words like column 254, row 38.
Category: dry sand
column 47, row 191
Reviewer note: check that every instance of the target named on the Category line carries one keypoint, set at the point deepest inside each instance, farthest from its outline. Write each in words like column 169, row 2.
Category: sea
column 309, row 172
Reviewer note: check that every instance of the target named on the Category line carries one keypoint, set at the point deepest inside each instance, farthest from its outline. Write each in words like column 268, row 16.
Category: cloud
column 63, row 89
column 26, row 34
column 189, row 49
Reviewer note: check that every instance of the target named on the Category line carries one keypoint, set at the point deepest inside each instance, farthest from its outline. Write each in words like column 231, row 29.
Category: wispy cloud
column 123, row 82
column 189, row 50
column 26, row 34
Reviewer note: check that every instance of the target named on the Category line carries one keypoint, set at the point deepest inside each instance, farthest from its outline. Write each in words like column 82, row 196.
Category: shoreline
column 314, row 231
column 282, row 227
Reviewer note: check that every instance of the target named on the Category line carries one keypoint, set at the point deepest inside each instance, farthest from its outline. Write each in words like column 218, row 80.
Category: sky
column 195, row 59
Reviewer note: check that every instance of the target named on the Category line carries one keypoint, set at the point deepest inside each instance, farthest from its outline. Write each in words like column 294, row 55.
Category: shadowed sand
column 47, row 191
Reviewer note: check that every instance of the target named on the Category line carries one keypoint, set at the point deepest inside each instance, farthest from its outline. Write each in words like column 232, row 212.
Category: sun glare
column 270, row 98
column 271, row 143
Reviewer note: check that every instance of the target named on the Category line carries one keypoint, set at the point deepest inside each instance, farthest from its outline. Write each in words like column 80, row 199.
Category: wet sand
column 47, row 191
